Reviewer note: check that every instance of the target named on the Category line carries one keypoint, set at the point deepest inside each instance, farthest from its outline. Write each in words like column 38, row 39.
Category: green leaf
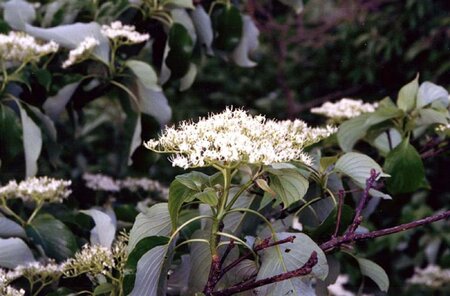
column 429, row 93
column 430, row 116
column 180, row 51
column 178, row 195
column 287, row 257
column 18, row 13
column 145, row 73
column 136, row 139
column 351, row 131
column 200, row 254
column 133, row 266
column 154, row 103
column 382, row 141
column 179, row 3
column 405, row 166
column 407, row 95
column 55, row 105
column 71, row 35
column 188, row 79
column 151, row 274
column 154, row 222
column 193, row 180
column 375, row 272
column 248, row 43
column 14, row 252
column 105, row 288
column 10, row 134
column 296, row 5
column 32, row 141
column 227, row 24
column 289, row 185
column 203, row 26
column 383, row 113
column 326, row 229
column 207, row 196
column 9, row 228
column 53, row 236
column 358, row 166
column 104, row 230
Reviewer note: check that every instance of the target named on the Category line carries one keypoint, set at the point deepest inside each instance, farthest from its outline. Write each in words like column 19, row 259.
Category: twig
column 341, row 196
column 353, row 237
column 263, row 245
column 362, row 202
column 227, row 251
column 304, row 270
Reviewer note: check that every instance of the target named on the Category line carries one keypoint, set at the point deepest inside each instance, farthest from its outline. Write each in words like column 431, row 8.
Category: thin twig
column 362, row 202
column 304, row 270
column 354, row 237
column 341, row 196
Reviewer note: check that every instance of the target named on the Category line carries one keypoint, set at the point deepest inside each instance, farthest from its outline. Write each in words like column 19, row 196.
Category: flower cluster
column 99, row 182
column 344, row 109
column 235, row 136
column 5, row 288
column 116, row 31
column 39, row 272
column 81, row 52
column 92, row 259
column 20, row 47
column 42, row 189
column 431, row 276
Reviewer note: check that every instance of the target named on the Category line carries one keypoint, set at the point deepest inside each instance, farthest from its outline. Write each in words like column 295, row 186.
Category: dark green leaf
column 375, row 272
column 14, row 252
column 405, row 166
column 178, row 195
column 53, row 236
column 154, row 222
column 289, row 185
column 104, row 288
column 407, row 95
column 145, row 73
column 207, row 196
column 144, row 246
column 227, row 24
column 180, row 51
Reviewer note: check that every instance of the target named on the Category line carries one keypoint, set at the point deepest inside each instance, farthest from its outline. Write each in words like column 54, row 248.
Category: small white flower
column 37, row 189
column 81, row 52
column 432, row 276
column 344, row 109
column 92, row 259
column 123, row 33
column 99, row 182
column 19, row 47
column 235, row 136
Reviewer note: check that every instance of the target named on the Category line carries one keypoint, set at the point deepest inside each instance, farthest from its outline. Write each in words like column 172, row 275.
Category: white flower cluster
column 20, row 47
column 443, row 128
column 5, row 288
column 92, row 259
column 99, row 182
column 123, row 33
column 235, row 136
column 81, row 52
column 338, row 289
column 431, row 276
column 36, row 270
column 344, row 109
column 37, row 189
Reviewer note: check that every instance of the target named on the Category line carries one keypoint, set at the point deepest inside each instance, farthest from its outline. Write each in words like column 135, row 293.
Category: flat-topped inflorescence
column 235, row 136
column 37, row 189
column 344, row 109
column 19, row 47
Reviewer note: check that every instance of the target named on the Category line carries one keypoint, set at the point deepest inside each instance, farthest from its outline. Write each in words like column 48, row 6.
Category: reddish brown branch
column 354, row 237
column 263, row 245
column 304, row 270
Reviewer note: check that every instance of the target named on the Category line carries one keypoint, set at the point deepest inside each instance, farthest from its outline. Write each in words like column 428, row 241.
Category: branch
column 263, row 245
column 353, row 237
column 304, row 270
column 362, row 202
